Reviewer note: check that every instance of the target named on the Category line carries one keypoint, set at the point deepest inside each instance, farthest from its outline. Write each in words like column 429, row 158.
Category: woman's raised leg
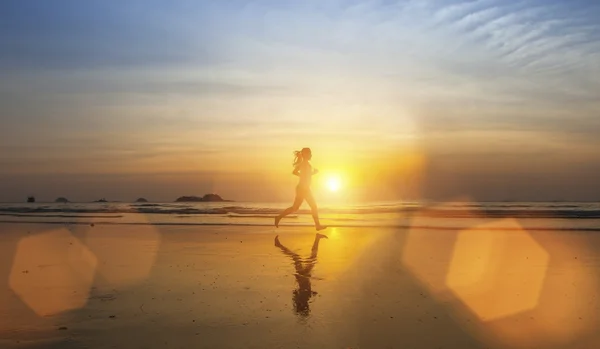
column 295, row 206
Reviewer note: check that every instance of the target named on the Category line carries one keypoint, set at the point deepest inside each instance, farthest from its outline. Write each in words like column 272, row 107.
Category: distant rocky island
column 141, row 200
column 61, row 200
column 205, row 198
column 101, row 200
column 31, row 198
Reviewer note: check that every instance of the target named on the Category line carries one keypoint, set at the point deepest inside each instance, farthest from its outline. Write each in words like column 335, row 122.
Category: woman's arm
column 296, row 171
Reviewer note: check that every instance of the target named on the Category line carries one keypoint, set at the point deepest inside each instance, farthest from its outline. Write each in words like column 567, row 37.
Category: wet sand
column 111, row 286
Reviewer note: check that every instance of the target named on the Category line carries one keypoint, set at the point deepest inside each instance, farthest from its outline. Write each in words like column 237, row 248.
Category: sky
column 435, row 99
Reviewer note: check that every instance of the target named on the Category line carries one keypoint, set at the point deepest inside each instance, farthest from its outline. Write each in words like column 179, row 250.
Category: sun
column 334, row 183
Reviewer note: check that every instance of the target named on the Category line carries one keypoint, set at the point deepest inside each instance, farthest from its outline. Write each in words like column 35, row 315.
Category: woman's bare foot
column 277, row 219
column 321, row 227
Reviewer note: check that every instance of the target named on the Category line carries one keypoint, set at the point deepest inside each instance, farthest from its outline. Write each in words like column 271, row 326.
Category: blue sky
column 110, row 87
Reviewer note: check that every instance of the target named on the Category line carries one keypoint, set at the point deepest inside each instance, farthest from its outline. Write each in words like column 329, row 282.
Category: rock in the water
column 205, row 198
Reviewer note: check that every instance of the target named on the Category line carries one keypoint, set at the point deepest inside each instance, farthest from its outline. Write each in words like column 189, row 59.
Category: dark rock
column 61, row 200
column 205, row 198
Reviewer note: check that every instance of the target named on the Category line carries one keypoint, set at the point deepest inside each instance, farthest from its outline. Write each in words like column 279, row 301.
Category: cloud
column 266, row 73
column 67, row 35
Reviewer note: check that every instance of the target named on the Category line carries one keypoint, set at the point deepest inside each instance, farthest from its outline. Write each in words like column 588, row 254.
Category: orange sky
column 401, row 101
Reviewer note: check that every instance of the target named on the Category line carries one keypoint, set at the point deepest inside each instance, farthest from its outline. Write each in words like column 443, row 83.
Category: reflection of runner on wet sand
column 303, row 274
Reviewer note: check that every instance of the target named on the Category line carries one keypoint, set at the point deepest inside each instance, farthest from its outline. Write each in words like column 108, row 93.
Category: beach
column 300, row 174
column 489, row 284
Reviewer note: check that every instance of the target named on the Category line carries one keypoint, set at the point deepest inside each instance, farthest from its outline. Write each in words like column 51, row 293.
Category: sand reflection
column 304, row 266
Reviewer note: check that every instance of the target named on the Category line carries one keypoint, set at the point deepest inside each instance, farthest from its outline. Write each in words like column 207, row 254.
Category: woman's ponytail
column 297, row 157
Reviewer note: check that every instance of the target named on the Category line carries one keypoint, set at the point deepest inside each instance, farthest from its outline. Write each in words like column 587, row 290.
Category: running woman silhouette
column 304, row 170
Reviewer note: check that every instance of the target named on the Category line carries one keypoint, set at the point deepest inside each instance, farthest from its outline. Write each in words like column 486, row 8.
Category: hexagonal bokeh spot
column 52, row 272
column 125, row 256
column 497, row 274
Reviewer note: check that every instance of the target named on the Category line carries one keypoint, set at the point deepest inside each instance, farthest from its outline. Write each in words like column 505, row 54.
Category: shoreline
column 309, row 225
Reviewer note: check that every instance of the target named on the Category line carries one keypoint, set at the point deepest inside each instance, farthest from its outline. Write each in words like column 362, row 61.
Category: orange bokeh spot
column 497, row 274
column 525, row 292
column 52, row 272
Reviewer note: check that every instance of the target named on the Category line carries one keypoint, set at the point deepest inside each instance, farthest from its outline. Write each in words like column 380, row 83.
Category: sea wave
column 338, row 225
column 255, row 210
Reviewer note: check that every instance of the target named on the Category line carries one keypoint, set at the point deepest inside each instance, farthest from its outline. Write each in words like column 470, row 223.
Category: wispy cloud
column 256, row 71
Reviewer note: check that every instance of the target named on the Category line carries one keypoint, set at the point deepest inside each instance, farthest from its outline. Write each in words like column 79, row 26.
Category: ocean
column 570, row 216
